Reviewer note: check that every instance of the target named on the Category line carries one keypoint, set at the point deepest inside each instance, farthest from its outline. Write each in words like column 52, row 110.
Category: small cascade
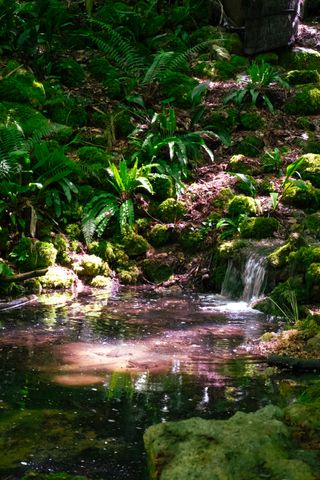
column 232, row 282
column 253, row 277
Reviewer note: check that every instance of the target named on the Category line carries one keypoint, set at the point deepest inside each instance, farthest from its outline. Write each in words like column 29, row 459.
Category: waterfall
column 253, row 277
column 250, row 282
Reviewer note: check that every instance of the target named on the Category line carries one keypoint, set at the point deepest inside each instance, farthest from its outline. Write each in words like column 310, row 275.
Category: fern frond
column 126, row 57
column 126, row 214
column 97, row 214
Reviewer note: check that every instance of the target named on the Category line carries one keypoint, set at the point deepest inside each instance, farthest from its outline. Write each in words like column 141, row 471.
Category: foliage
column 272, row 161
column 261, row 75
column 102, row 207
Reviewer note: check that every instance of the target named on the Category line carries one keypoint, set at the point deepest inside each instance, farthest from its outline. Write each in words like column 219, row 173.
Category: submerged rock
column 245, row 447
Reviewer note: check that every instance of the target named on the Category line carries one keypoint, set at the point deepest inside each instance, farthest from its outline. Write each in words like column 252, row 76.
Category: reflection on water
column 82, row 378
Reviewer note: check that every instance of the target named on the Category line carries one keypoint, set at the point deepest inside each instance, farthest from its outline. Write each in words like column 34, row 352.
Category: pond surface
column 82, row 378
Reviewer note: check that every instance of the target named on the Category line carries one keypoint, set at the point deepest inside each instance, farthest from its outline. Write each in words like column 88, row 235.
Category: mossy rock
column 91, row 266
column 281, row 301
column 226, row 69
column 223, row 198
column 251, row 146
column 163, row 187
column 171, row 210
column 206, row 449
column 251, row 120
column 73, row 231
column 258, row 228
column 222, row 121
column 306, row 101
column 69, row 111
column 313, row 281
column 70, row 72
column 104, row 250
column 268, row 57
column 33, row 475
column 302, row 77
column 101, row 281
column 280, row 256
column 159, row 235
column 29, row 254
column 129, row 276
column 300, row 58
column 157, row 269
column 58, row 278
column 92, row 155
column 134, row 244
column 28, row 118
column 309, row 169
column 179, row 87
column 305, row 123
column 22, row 88
column 191, row 239
column 311, row 225
column 302, row 258
column 241, row 204
column 306, row 198
column 62, row 245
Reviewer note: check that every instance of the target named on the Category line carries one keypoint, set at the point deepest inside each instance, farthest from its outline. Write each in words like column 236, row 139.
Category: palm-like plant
column 261, row 75
column 125, row 182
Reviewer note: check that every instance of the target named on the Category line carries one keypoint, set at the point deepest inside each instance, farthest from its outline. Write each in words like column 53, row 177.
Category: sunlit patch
column 77, row 380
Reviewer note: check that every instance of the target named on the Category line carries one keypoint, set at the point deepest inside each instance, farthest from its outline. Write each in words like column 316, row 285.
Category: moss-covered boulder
column 280, row 256
column 158, row 268
column 241, row 204
column 307, row 197
column 251, row 146
column 129, row 275
column 101, row 281
column 239, row 164
column 285, row 299
column 245, row 447
column 179, row 87
column 163, row 187
column 58, row 278
column 258, row 228
column 313, row 281
column 22, row 88
column 311, row 225
column 134, row 244
column 309, row 169
column 302, row 258
column 29, row 254
column 306, row 101
column 300, row 58
column 159, row 235
column 171, row 210
column 70, row 72
column 301, row 77
column 90, row 266
column 92, row 155
column 251, row 120
column 191, row 239
column 223, row 121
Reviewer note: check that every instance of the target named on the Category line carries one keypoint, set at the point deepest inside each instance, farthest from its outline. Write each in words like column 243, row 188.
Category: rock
column 242, row 448
column 251, row 146
column 310, row 168
column 241, row 204
column 134, row 244
column 301, row 77
column 306, row 101
column 300, row 58
column 258, row 228
column 90, row 266
column 307, row 197
column 171, row 210
column 58, row 278
column 159, row 235
column 158, row 268
column 29, row 254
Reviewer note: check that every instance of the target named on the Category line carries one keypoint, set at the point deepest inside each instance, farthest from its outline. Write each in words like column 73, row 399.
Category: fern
column 165, row 62
column 118, row 49
column 97, row 214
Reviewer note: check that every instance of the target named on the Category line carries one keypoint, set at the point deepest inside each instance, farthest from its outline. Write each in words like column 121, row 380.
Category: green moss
column 52, row 476
column 250, row 146
column 301, row 77
column 28, row 118
column 301, row 259
column 206, row 449
column 310, row 168
column 129, row 276
column 268, row 57
column 280, row 256
column 163, row 187
column 223, row 120
column 22, row 88
column 103, row 249
column 226, row 69
column 91, row 266
column 223, row 198
column 191, row 239
column 69, row 111
column 305, row 123
column 61, row 244
column 31, row 254
column 258, row 228
column 101, row 281
column 306, row 101
column 159, row 235
column 301, row 59
column 265, row 186
column 179, row 87
column 58, row 278
column 251, row 120
column 134, row 244
column 313, row 280
column 311, row 225
column 92, row 155
column 305, row 198
column 171, row 210
column 156, row 271
column 241, row 204
column 70, row 72
column 283, row 297
column 73, row 231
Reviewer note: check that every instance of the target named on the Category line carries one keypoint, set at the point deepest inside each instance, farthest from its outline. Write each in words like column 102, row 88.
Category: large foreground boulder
column 245, row 447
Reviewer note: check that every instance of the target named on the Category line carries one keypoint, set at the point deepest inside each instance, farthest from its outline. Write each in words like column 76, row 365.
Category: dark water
column 81, row 379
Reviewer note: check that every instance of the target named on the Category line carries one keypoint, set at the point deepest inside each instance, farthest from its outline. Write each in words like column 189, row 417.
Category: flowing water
column 82, row 378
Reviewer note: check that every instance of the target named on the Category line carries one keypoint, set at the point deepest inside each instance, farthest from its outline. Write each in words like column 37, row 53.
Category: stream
column 82, row 378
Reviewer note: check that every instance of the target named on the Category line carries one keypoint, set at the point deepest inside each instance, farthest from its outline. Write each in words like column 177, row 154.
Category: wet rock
column 245, row 447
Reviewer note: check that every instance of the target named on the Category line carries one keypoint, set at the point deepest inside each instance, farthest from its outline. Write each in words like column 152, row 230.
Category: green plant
column 246, row 184
column 120, row 204
column 274, row 196
column 272, row 161
column 230, row 226
column 291, row 170
column 261, row 75
column 289, row 308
